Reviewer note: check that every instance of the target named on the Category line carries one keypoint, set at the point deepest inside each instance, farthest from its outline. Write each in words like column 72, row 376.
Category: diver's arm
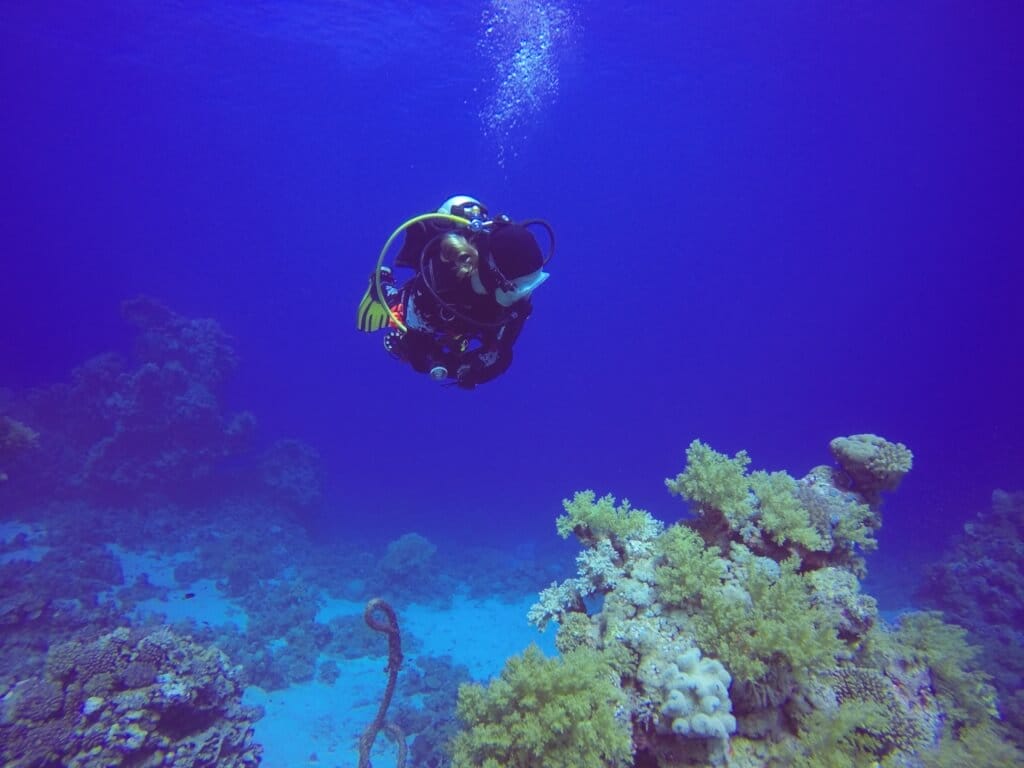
column 494, row 357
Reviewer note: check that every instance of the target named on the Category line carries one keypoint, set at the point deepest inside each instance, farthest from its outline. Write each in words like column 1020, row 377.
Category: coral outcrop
column 979, row 584
column 152, row 424
column 15, row 439
column 129, row 698
column 291, row 472
column 740, row 636
column 872, row 462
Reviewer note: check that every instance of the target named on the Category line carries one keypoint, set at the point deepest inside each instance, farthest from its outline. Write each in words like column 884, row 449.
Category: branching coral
column 965, row 689
column 556, row 713
column 618, row 542
column 714, row 482
column 829, row 738
column 893, row 728
column 754, row 613
column 773, row 514
column 763, row 619
column 688, row 569
column 782, row 516
column 592, row 520
column 975, row 745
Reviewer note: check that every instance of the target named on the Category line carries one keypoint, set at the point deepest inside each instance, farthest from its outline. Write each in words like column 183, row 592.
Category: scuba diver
column 461, row 312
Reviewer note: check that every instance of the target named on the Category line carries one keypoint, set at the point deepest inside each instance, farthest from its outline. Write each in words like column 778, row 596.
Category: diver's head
column 465, row 206
column 461, row 254
column 518, row 258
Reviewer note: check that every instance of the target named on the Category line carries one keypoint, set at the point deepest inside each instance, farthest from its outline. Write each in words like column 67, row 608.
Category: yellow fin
column 371, row 315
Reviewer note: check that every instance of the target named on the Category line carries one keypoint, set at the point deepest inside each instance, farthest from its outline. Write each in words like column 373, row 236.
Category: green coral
column 975, row 745
column 556, row 713
column 831, row 738
column 593, row 519
column 765, row 620
column 688, row 569
column 575, row 630
column 897, row 729
column 782, row 516
column 749, row 612
column 964, row 689
column 713, row 480
column 856, row 526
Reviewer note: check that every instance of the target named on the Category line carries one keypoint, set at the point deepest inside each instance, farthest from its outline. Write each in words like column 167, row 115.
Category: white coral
column 599, row 567
column 695, row 692
column 556, row 599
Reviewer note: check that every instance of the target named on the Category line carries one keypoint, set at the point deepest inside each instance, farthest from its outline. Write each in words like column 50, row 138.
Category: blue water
column 776, row 224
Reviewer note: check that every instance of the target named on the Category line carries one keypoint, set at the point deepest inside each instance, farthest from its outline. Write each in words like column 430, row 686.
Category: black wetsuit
column 449, row 323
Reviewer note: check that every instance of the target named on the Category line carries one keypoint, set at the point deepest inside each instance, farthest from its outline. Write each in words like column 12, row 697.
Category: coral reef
column 130, row 697
column 825, row 518
column 156, row 424
column 50, row 597
column 740, row 636
column 291, row 472
column 433, row 681
column 979, row 584
column 408, row 572
column 15, row 438
column 695, row 692
column 558, row 713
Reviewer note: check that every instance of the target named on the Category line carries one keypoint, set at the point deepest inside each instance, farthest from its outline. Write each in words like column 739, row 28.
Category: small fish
column 189, row 595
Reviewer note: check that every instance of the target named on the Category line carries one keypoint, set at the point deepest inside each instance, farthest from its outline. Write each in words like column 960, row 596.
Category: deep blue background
column 777, row 222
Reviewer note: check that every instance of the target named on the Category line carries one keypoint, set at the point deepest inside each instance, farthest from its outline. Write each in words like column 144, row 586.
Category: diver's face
column 460, row 254
column 464, row 265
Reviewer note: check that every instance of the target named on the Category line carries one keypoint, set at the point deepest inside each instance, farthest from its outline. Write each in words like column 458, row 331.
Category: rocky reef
column 129, row 697
column 738, row 636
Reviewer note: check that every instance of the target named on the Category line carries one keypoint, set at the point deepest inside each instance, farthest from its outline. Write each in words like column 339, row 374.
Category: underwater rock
column 127, row 697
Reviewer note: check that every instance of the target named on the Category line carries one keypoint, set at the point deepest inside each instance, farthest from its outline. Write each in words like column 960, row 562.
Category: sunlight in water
column 525, row 42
